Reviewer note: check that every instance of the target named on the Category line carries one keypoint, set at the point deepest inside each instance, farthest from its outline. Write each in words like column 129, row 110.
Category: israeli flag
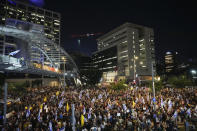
column 39, row 117
column 50, row 126
column 93, row 100
column 124, row 107
column 170, row 104
column 143, row 101
column 154, row 100
column 162, row 104
column 189, row 112
column 61, row 103
column 28, row 113
column 80, row 96
column 56, row 115
column 62, row 93
column 89, row 115
column 87, row 94
column 84, row 111
column 175, row 114
column 109, row 106
column 62, row 129
column 100, row 96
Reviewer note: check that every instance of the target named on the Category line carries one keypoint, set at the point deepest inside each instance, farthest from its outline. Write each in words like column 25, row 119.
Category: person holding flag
column 61, row 103
column 162, row 103
column 82, row 120
column 28, row 112
column 39, row 116
column 67, row 107
column 84, row 110
column 50, row 126
column 62, row 93
column 45, row 99
column 133, row 104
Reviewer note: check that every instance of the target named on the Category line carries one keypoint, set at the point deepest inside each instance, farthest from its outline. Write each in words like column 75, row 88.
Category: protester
column 100, row 109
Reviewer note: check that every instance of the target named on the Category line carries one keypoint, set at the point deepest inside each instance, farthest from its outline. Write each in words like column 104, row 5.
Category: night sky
column 174, row 23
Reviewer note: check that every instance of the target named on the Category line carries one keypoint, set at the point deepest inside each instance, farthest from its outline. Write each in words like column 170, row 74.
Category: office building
column 127, row 52
column 48, row 20
column 171, row 61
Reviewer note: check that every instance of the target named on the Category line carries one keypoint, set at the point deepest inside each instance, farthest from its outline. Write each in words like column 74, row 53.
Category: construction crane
column 79, row 36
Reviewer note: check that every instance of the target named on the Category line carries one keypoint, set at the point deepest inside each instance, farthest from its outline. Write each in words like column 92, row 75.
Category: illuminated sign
column 12, row 2
column 14, row 52
column 39, row 3
column 168, row 53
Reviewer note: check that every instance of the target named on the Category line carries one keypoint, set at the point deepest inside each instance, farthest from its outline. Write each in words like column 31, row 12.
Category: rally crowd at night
column 103, row 109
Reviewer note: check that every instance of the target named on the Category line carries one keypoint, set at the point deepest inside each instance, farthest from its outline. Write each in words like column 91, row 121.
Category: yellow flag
column 67, row 107
column 45, row 99
column 30, row 108
column 134, row 104
column 57, row 93
column 41, row 106
column 82, row 120
column 26, row 108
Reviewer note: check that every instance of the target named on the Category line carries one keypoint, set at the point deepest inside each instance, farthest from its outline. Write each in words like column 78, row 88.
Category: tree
column 158, row 85
column 179, row 81
column 120, row 85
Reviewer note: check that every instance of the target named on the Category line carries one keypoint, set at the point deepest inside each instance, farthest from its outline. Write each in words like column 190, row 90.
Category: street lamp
column 64, row 59
column 134, row 66
column 193, row 72
column 153, row 85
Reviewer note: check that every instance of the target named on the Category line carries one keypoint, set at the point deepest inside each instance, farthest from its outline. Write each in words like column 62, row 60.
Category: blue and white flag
column 162, row 104
column 109, row 106
column 61, row 103
column 93, row 100
column 89, row 115
column 87, row 94
column 84, row 110
column 170, row 104
column 175, row 114
column 189, row 112
column 28, row 113
column 154, row 100
column 50, row 126
column 100, row 96
column 39, row 117
column 56, row 115
column 62, row 129
column 80, row 96
column 62, row 93
column 124, row 107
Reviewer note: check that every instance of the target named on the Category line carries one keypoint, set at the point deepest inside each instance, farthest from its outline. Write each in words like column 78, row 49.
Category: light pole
column 153, row 85
column 134, row 67
column 193, row 72
column 64, row 59
column 5, row 102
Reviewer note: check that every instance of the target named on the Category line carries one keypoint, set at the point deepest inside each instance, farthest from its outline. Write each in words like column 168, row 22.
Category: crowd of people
column 103, row 109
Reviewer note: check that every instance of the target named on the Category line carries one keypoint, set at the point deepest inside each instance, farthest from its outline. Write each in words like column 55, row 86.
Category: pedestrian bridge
column 37, row 54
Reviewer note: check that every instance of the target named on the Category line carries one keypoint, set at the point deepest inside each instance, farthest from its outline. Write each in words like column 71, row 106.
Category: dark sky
column 174, row 22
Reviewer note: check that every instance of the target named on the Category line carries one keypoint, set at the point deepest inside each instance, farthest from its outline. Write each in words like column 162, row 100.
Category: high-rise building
column 171, row 62
column 48, row 20
column 127, row 52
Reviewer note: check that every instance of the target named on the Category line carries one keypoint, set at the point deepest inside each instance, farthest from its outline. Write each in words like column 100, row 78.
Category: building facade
column 48, row 20
column 126, row 52
column 171, row 62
